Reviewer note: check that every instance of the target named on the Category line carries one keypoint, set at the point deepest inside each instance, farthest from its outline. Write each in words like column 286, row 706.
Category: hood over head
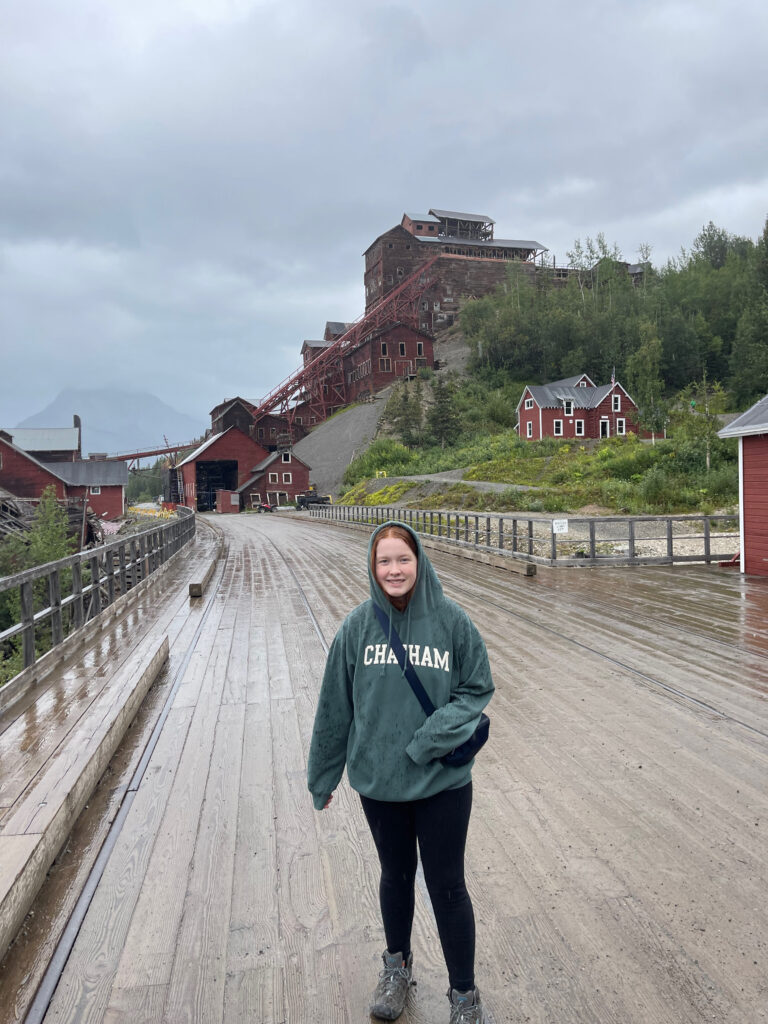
column 427, row 593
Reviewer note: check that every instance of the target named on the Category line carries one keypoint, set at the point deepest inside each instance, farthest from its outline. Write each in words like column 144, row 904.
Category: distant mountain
column 117, row 421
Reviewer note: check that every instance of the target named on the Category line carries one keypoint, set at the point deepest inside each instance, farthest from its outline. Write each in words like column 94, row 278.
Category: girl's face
column 396, row 567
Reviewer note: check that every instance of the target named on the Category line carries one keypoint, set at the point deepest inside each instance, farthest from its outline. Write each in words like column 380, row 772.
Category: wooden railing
column 605, row 540
column 56, row 599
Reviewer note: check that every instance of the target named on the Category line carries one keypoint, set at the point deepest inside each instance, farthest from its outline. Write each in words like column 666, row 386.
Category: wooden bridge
column 617, row 852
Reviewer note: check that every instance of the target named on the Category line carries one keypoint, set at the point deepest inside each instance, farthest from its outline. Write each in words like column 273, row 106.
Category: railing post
column 487, row 531
column 553, row 542
column 592, row 547
column 54, row 601
column 95, row 606
column 77, row 591
column 501, row 531
column 707, row 552
column 530, row 536
column 123, row 578
column 28, row 622
column 631, row 545
column 669, row 539
column 109, row 566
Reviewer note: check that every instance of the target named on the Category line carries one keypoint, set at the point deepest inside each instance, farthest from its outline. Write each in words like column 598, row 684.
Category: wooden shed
column 751, row 428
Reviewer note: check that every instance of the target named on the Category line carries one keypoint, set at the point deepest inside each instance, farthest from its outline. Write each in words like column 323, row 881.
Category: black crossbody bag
column 466, row 751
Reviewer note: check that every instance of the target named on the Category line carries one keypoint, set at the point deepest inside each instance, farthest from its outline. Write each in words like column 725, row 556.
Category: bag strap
column 403, row 661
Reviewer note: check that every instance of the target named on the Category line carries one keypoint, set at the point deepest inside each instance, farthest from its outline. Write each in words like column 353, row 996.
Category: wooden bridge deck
column 617, row 853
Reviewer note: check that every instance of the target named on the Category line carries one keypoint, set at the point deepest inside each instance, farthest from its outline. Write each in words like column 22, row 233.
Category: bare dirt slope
column 332, row 445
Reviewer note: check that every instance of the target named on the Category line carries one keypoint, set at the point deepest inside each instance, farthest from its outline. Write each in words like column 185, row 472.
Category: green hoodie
column 369, row 718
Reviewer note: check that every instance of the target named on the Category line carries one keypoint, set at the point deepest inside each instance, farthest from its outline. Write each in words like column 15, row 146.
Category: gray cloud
column 186, row 188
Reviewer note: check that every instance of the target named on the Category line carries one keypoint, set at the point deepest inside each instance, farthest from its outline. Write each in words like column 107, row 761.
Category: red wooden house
column 222, row 463
column 101, row 481
column 751, row 428
column 576, row 408
column 277, row 479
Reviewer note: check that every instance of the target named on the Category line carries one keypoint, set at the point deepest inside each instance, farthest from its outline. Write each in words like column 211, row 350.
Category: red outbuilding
column 224, row 462
column 751, row 428
column 277, row 480
column 574, row 408
column 22, row 475
column 101, row 481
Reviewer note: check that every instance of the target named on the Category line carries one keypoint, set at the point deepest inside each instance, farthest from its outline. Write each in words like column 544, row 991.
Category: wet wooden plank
column 86, row 990
column 603, row 890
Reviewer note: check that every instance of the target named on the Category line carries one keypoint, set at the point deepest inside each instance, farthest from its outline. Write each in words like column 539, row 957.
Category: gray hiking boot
column 466, row 1007
column 388, row 1000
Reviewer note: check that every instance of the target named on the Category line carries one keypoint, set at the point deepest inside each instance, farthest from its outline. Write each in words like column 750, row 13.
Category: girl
column 369, row 719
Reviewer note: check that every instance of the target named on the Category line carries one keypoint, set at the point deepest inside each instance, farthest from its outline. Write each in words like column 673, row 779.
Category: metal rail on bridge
column 56, row 599
column 574, row 541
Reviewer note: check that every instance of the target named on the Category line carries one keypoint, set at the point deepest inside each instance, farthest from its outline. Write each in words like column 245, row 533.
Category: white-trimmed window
column 402, row 348
column 96, row 489
column 529, row 429
column 299, row 420
column 383, row 348
column 286, row 456
column 558, row 427
column 579, row 424
column 261, row 431
column 583, row 384
column 273, row 478
column 287, row 478
column 529, row 403
column 616, row 403
column 621, row 425
column 419, row 348
column 568, row 407
column 385, row 365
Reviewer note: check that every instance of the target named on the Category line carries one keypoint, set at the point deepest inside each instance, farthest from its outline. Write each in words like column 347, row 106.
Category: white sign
column 234, row 499
column 559, row 526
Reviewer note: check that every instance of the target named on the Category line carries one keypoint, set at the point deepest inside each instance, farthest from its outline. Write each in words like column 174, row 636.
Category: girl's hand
column 327, row 803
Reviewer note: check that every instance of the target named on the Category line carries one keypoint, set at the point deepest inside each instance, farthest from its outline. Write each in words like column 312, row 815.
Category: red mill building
column 416, row 276
column 477, row 262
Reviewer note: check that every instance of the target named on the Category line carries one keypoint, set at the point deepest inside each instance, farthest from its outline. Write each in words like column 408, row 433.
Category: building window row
column 361, row 370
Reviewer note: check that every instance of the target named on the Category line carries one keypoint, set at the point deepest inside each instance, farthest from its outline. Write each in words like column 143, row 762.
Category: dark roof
column 315, row 344
column 571, row 382
column 337, row 326
column 477, row 218
column 552, row 396
column 753, row 421
column 91, row 472
column 492, row 243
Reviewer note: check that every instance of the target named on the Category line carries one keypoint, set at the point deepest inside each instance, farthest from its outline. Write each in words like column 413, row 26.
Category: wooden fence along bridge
column 617, row 853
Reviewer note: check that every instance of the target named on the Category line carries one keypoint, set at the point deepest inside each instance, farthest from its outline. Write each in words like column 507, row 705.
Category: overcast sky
column 187, row 186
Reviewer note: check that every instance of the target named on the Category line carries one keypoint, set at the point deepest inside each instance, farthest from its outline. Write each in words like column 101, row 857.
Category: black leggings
column 439, row 824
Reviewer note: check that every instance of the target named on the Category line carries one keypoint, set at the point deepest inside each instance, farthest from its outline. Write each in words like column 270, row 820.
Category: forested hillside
column 702, row 316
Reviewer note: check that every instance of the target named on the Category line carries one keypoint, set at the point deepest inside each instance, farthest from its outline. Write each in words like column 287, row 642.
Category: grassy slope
column 615, row 476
